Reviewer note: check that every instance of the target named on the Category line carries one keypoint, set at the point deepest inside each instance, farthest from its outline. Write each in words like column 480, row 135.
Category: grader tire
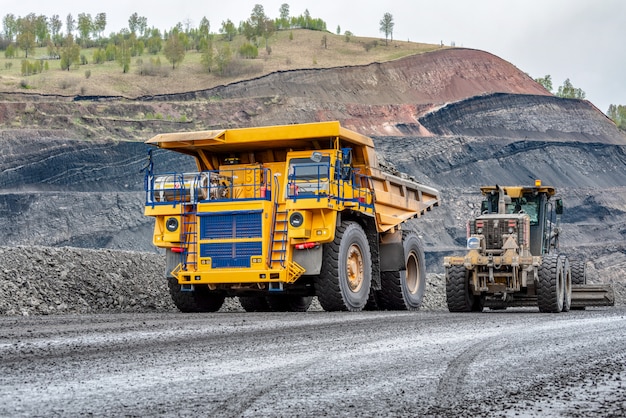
column 404, row 290
column 579, row 272
column 346, row 277
column 458, row 293
column 567, row 285
column 579, row 277
column 201, row 299
column 551, row 284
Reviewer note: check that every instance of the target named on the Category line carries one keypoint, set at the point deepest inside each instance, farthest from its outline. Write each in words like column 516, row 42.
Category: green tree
column 9, row 22
column 138, row 24
column 10, row 52
column 617, row 113
column 207, row 55
column 386, row 26
column 174, row 49
column 283, row 20
column 257, row 22
column 133, row 23
column 70, row 53
column 205, row 28
column 155, row 42
column 85, row 27
column 100, row 24
column 546, row 82
column 55, row 29
column 568, row 91
column 123, row 54
column 338, row 31
column 223, row 58
column 228, row 30
column 70, row 24
column 26, row 27
column 42, row 32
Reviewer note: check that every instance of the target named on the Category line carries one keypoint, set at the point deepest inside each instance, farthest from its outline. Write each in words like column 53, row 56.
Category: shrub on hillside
column 239, row 67
column 249, row 51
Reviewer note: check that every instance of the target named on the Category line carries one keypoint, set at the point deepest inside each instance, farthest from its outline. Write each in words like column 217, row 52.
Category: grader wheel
column 551, row 284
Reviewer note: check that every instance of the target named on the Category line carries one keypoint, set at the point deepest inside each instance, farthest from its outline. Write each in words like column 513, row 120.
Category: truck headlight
column 473, row 243
column 171, row 224
column 296, row 219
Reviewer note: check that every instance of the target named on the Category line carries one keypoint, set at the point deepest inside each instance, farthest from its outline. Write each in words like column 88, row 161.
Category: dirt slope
column 373, row 99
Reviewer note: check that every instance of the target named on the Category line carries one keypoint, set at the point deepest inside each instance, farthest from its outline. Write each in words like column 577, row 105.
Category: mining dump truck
column 513, row 257
column 276, row 215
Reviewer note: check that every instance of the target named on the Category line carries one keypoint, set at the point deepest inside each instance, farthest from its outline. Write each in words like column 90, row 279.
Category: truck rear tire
column 289, row 303
column 551, row 284
column 201, row 299
column 254, row 303
column 346, row 275
column 458, row 293
column 404, row 290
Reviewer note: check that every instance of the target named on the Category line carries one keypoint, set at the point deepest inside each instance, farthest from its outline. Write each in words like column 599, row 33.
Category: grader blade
column 592, row 295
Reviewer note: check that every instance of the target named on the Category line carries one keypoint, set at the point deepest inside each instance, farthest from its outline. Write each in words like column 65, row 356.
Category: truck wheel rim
column 354, row 268
column 412, row 274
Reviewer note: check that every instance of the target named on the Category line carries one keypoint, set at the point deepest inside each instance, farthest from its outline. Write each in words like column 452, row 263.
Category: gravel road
column 511, row 363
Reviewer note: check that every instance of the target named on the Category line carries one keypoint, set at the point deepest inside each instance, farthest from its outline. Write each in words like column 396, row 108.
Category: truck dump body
column 396, row 199
column 262, row 196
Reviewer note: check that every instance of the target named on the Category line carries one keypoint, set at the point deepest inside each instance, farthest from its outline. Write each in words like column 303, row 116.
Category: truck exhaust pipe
column 503, row 199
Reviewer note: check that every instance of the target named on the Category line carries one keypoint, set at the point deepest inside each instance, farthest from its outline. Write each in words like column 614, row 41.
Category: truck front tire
column 346, row 275
column 404, row 290
column 201, row 299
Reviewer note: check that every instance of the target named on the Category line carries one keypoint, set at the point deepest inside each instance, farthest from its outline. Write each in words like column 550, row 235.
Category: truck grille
column 233, row 226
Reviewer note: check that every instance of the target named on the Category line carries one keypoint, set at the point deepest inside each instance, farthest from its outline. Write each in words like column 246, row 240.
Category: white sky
column 583, row 40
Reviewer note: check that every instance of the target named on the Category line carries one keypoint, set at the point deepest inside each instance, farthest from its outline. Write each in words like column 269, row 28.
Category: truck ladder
column 278, row 240
column 189, row 257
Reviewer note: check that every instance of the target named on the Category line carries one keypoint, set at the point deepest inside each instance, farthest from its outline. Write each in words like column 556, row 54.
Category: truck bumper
column 236, row 276
column 474, row 259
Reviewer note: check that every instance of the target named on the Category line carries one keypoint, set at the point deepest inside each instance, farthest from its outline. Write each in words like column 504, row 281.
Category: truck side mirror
column 559, row 206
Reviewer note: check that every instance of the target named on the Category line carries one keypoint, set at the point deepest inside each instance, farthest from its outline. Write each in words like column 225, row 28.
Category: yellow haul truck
column 513, row 257
column 276, row 215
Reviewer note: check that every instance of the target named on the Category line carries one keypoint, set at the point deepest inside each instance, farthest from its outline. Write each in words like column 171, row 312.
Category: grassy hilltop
column 289, row 50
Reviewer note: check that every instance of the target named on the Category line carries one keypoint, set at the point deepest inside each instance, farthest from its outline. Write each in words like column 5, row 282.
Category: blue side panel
column 231, row 225
column 230, row 254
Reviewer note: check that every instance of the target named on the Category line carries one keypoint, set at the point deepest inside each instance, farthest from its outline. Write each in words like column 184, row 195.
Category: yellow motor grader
column 513, row 257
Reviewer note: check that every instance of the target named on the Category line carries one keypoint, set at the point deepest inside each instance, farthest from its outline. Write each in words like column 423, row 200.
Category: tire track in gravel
column 452, row 384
